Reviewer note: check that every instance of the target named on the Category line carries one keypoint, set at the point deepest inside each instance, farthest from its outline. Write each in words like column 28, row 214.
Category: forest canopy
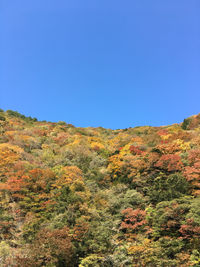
column 73, row 196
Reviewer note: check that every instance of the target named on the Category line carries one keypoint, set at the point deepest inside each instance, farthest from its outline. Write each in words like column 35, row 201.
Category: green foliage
column 5, row 252
column 16, row 114
column 163, row 188
column 185, row 123
column 168, row 216
column 195, row 258
column 121, row 198
column 63, row 123
column 2, row 118
column 98, row 238
column 92, row 260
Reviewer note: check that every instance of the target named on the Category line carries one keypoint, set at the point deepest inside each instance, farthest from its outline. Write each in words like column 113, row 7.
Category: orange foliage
column 192, row 172
column 9, row 154
column 169, row 162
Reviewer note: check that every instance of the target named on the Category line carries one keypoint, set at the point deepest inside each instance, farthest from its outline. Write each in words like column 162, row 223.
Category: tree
column 52, row 247
column 164, row 187
column 134, row 222
column 169, row 162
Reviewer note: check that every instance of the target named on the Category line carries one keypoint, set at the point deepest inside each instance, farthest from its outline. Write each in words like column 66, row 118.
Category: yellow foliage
column 165, row 137
column 71, row 176
column 76, row 140
column 142, row 252
column 175, row 128
column 137, row 141
column 125, row 150
column 97, row 145
column 115, row 164
column 9, row 154
column 182, row 145
column 95, row 142
column 45, row 146
column 14, row 148
column 118, row 141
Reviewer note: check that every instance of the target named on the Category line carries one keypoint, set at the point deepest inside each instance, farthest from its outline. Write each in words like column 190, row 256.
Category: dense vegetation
column 98, row 197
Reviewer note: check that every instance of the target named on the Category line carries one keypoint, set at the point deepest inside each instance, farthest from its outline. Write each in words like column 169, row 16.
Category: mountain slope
column 74, row 196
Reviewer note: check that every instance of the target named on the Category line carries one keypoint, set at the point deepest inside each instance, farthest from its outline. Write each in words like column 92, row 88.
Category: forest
column 96, row 197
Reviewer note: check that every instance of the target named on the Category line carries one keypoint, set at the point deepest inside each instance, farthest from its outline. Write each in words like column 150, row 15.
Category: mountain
column 73, row 196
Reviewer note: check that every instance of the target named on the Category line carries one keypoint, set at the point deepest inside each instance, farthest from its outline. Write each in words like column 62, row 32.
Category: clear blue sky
column 107, row 63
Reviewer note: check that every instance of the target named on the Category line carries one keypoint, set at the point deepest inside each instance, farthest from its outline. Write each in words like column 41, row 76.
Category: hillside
column 74, row 196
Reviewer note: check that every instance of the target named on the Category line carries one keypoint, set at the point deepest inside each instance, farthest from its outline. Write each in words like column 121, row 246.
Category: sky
column 109, row 63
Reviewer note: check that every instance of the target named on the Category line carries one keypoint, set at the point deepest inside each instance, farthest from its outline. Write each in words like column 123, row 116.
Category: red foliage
column 134, row 219
column 190, row 230
column 162, row 132
column 192, row 172
column 169, row 162
column 135, row 150
column 164, row 142
column 61, row 139
column 39, row 132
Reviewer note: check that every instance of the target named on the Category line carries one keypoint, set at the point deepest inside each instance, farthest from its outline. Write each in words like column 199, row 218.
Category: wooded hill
column 92, row 197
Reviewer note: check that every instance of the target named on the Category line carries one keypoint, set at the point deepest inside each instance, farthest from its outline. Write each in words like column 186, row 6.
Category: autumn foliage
column 73, row 196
